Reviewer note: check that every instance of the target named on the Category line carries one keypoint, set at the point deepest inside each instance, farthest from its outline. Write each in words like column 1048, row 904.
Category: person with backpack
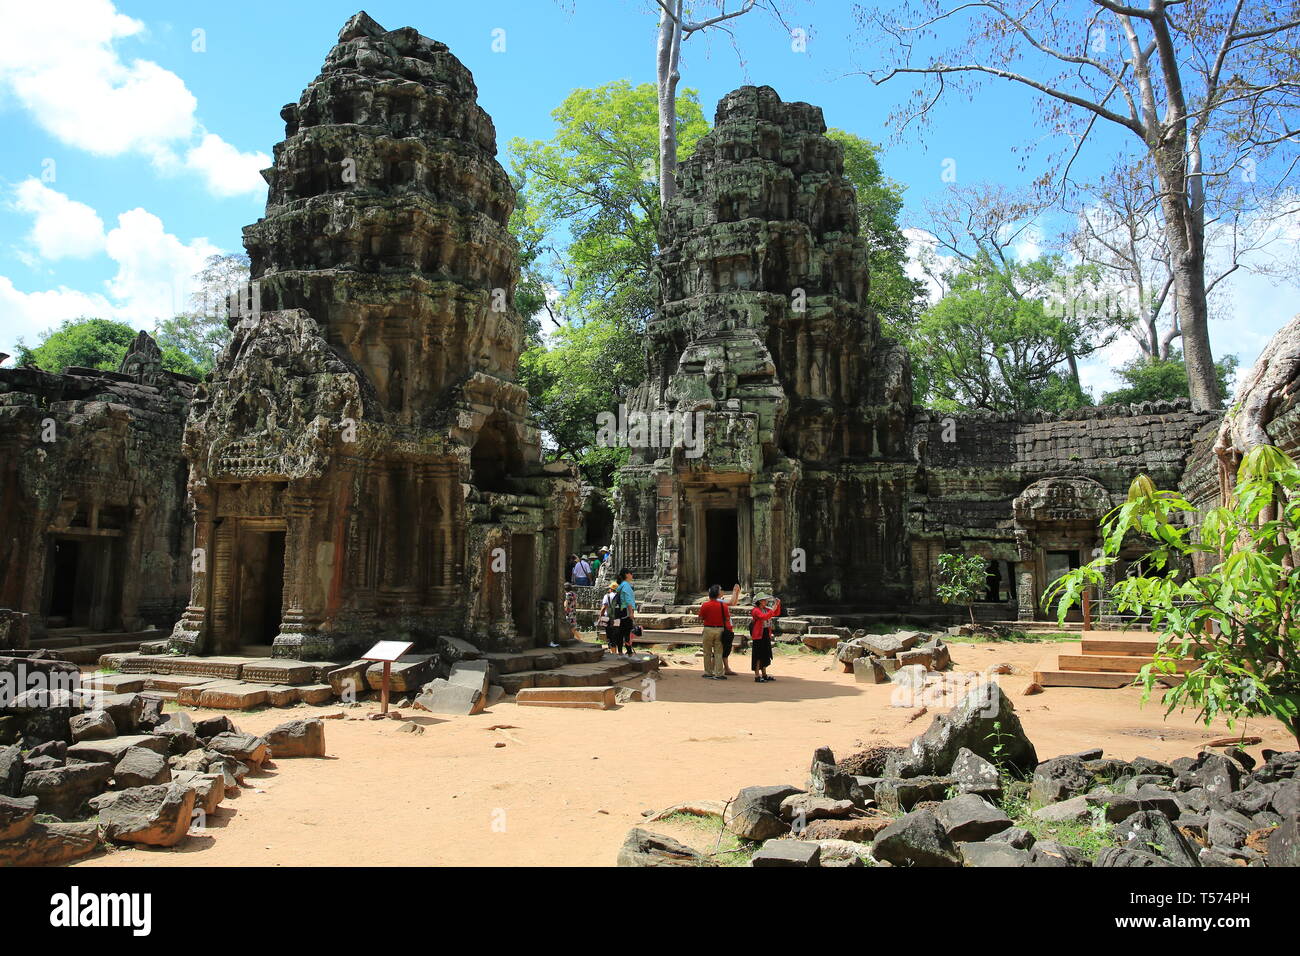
column 761, row 628
column 606, row 623
column 582, row 573
column 715, row 615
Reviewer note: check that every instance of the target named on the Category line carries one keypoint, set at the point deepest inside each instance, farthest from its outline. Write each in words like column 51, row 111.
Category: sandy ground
column 562, row 787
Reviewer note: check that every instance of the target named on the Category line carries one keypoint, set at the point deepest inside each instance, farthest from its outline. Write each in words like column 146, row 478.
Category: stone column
column 192, row 633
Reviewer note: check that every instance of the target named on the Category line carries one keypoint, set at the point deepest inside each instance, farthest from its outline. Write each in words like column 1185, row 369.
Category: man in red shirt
column 716, row 618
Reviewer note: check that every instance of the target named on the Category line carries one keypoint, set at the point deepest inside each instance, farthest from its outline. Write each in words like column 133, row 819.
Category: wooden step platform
column 1105, row 659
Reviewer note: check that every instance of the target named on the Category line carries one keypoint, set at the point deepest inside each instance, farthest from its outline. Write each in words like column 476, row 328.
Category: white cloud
column 72, row 80
column 154, row 276
column 62, row 228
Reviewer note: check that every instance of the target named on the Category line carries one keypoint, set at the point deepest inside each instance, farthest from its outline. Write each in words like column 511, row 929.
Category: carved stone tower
column 362, row 461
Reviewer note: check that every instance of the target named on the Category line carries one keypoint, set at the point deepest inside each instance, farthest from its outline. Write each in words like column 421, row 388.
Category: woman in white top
column 606, row 620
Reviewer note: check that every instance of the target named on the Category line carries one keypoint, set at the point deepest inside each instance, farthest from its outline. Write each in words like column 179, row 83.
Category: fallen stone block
column 50, row 844
column 140, row 768
column 755, row 813
column 463, row 691
column 16, row 816
column 155, row 816
column 644, row 848
column 993, row 854
column 970, row 818
column 298, row 738
column 246, row 748
column 65, row 790
column 209, row 788
column 917, row 839
column 111, row 751
column 409, row 673
column 590, row 698
column 787, row 853
column 92, row 725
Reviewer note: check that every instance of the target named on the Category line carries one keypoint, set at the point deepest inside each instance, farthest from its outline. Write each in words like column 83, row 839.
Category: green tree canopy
column 1153, row 380
column 82, row 342
column 194, row 338
column 997, row 341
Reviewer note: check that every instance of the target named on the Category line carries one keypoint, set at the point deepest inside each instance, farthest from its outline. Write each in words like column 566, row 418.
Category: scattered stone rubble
column 939, row 802
column 79, row 770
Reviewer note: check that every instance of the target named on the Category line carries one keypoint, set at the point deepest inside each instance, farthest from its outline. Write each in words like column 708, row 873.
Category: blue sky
column 131, row 142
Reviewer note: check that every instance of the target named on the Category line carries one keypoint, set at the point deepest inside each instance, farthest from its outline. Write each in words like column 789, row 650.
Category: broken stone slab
column 644, row 848
column 92, row 725
column 1128, row 856
column 755, row 813
column 155, row 816
column 820, row 642
column 209, row 788
column 844, row 853
column 16, row 816
column 787, row 853
column 870, row 670
column 65, row 790
column 857, row 829
column 140, row 768
column 179, row 740
column 808, row 806
column 900, row 794
column 409, row 673
column 970, row 818
column 589, row 698
column 463, row 691
column 230, row 695
column 886, row 645
column 315, row 694
column 127, row 711
column 298, row 738
column 1018, row 837
column 1152, row 832
column 1052, row 853
column 917, row 839
column 349, row 682
column 246, row 748
column 50, row 844
column 1119, row 806
column 278, row 671
column 453, row 650
column 111, row 751
column 1059, row 779
column 11, row 771
column 993, row 854
column 1073, row 810
column 209, row 727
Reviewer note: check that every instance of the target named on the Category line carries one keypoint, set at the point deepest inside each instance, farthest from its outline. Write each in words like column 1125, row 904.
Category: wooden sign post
column 387, row 652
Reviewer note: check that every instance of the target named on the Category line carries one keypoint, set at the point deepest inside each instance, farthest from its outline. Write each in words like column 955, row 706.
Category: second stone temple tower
column 763, row 334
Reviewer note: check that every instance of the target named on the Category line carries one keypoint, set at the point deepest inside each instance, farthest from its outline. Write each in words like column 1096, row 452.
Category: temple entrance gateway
column 522, row 602
column 82, row 587
column 260, row 588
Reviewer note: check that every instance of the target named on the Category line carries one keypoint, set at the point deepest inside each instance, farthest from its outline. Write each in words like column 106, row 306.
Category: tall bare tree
column 676, row 25
column 1207, row 88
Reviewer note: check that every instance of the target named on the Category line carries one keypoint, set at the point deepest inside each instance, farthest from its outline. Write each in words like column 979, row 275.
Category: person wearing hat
column 605, row 622
column 765, row 609
column 715, row 615
column 582, row 573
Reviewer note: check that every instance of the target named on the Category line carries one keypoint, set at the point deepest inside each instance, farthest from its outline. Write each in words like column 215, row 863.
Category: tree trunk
column 666, row 58
column 1185, row 236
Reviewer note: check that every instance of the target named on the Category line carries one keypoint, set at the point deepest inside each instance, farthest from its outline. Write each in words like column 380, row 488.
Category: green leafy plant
column 1224, row 593
column 960, row 580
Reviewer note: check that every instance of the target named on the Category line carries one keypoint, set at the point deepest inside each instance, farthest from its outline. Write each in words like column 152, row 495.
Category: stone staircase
column 573, row 665
column 81, row 645
column 1104, row 659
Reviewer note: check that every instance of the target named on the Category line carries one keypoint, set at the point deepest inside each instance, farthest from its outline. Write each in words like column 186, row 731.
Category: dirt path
column 568, row 784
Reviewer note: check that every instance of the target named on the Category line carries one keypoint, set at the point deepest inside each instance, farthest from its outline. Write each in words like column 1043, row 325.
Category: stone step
column 588, row 698
column 542, row 658
column 611, row 667
column 244, row 695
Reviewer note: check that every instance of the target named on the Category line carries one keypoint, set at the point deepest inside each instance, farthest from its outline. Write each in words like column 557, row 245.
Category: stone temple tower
column 362, row 463
column 763, row 333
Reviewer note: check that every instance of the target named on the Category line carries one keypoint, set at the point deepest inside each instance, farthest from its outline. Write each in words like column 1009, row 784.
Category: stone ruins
column 362, row 464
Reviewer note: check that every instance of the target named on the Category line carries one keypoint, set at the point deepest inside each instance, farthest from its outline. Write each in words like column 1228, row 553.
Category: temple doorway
column 260, row 570
column 81, row 591
column 721, row 548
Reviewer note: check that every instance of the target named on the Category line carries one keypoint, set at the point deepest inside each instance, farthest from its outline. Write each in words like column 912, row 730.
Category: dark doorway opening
column 521, row 579
column 261, row 585
column 721, row 548
column 81, row 589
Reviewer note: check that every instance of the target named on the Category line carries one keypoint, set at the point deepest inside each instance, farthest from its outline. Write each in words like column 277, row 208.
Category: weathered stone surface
column 1059, row 779
column 11, row 771
column 917, row 839
column 110, row 751
column 1128, row 856
column 643, row 848
column 899, row 794
column 809, row 806
column 464, row 691
column 126, row 710
column 755, row 813
column 1119, row 806
column 209, row 788
column 50, row 844
column 1152, row 832
column 1018, row 837
column 787, row 853
column 970, row 818
column 64, row 791
column 209, row 727
column 140, row 768
column 1074, row 810
column 1284, row 844
column 974, row 774
column 993, row 854
column 156, row 816
column 1215, row 773
column 869, row 670
column 16, row 816
column 984, row 722
column 1052, row 853
column 856, row 830
column 1228, row 829
column 93, row 725
column 246, row 748
column 298, row 738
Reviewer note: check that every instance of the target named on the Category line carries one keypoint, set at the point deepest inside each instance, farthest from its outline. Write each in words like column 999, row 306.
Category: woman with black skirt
column 760, row 635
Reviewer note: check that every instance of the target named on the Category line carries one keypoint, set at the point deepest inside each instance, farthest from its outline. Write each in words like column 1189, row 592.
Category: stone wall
column 92, row 482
